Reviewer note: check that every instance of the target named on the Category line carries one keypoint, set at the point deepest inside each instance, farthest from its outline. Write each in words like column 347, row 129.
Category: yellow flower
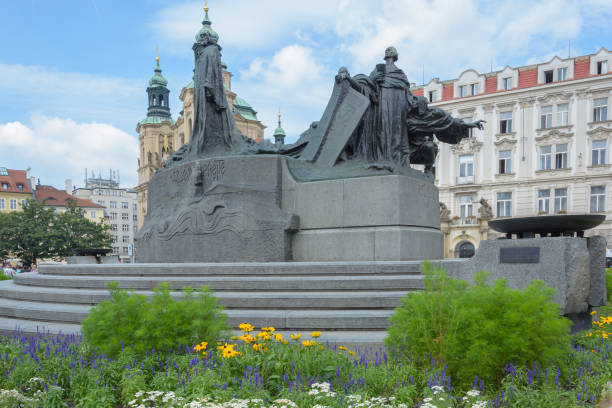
column 308, row 343
column 227, row 351
column 257, row 346
column 296, row 336
column 342, row 348
column 322, row 348
column 246, row 327
column 352, row 353
column 604, row 336
column 315, row 334
column 201, row 346
column 278, row 337
column 268, row 329
column 247, row 338
column 263, row 335
column 589, row 334
column 594, row 312
column 234, row 337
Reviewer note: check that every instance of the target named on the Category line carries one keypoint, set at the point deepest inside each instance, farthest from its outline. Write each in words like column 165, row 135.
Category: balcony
column 465, row 221
column 465, row 180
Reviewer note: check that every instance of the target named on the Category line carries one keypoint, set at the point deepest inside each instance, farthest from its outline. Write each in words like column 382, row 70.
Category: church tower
column 279, row 132
column 154, row 135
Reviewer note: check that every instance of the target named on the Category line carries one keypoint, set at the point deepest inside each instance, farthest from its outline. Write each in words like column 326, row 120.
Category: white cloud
column 77, row 95
column 58, row 149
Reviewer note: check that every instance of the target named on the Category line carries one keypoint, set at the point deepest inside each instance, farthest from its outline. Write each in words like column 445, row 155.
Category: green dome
column 155, row 120
column 241, row 102
column 206, row 28
column 279, row 132
column 157, row 79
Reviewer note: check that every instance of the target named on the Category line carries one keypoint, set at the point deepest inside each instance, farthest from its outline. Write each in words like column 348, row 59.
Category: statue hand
column 478, row 124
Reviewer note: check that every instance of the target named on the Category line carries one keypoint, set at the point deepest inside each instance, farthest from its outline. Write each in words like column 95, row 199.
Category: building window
column 107, row 192
column 124, row 250
column 113, row 227
column 466, row 208
column 115, row 250
column 470, row 130
column 124, row 204
column 135, row 207
column 543, row 201
column 598, row 153
column 505, row 122
column 5, row 186
column 125, row 216
column 113, row 216
column 474, row 89
column 545, row 157
column 121, row 193
column 466, row 168
column 462, row 91
column 115, row 193
column 504, row 204
column 433, row 96
column 560, row 199
column 546, row 117
column 464, row 249
column 113, row 204
column 20, row 187
column 125, row 239
column 507, row 83
column 92, row 214
column 114, row 239
column 101, row 202
column 505, row 162
column 548, row 76
column 13, row 204
column 562, row 114
column 125, row 228
column 561, row 156
column 561, row 74
column 598, row 198
column 602, row 67
column 135, row 218
column 600, row 110
column 23, row 203
column 1, row 203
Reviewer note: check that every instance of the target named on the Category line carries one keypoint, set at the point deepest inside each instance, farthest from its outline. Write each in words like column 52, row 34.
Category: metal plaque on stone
column 529, row 255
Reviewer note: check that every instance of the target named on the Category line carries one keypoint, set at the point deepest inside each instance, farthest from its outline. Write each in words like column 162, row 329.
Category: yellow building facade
column 15, row 189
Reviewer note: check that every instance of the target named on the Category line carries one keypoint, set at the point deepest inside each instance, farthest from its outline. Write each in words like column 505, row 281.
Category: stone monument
column 345, row 191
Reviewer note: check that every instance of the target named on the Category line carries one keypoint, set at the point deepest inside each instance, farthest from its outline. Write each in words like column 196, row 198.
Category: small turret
column 158, row 92
column 279, row 133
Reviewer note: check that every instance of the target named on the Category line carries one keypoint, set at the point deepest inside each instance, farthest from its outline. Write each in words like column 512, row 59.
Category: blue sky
column 73, row 73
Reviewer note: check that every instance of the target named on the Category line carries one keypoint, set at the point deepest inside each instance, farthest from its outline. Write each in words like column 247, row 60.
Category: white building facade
column 121, row 206
column 545, row 148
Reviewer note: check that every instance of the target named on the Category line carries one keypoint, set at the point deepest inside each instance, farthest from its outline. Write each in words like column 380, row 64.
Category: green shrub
column 129, row 320
column 477, row 330
column 5, row 277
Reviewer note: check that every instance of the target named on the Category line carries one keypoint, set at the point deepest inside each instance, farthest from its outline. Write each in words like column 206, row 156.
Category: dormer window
column 561, row 74
column 507, row 83
column 5, row 186
column 462, row 91
column 20, row 187
column 602, row 67
column 548, row 76
column 474, row 89
column 433, row 96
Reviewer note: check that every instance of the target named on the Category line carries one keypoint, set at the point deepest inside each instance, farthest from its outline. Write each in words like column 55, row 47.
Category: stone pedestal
column 251, row 208
column 379, row 218
column 223, row 209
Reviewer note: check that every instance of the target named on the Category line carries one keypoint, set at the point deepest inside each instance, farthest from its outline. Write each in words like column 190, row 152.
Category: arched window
column 154, row 101
column 161, row 100
column 464, row 249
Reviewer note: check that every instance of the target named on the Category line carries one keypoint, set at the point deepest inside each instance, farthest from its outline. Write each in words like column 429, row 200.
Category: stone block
column 597, row 252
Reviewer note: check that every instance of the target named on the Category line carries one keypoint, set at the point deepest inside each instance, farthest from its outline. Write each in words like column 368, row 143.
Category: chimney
column 69, row 186
column 28, row 172
column 32, row 183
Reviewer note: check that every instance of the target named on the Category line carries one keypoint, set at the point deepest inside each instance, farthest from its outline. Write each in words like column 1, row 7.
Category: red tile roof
column 59, row 198
column 13, row 180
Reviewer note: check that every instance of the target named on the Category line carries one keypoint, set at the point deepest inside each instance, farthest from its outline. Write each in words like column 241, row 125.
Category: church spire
column 158, row 92
column 279, row 133
column 206, row 26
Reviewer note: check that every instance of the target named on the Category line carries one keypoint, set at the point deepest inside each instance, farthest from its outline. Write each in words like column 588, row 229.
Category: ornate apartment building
column 120, row 206
column 160, row 135
column 545, row 147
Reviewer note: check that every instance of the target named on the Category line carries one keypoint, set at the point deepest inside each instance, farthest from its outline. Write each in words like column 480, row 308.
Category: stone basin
column 547, row 224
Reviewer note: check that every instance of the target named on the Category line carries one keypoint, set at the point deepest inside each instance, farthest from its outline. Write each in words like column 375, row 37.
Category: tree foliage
column 38, row 232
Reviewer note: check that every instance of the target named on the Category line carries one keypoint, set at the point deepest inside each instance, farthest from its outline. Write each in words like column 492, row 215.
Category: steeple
column 158, row 92
column 206, row 26
column 279, row 133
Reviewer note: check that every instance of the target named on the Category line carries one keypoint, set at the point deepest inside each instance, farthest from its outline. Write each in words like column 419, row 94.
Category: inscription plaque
column 529, row 255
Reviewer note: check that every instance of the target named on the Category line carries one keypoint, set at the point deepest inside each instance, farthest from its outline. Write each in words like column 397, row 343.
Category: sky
column 73, row 73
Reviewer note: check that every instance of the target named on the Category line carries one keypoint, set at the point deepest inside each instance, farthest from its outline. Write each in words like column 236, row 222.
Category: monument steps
column 231, row 283
column 257, row 300
column 349, row 302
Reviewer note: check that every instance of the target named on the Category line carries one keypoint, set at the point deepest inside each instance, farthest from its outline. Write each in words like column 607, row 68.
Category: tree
column 38, row 232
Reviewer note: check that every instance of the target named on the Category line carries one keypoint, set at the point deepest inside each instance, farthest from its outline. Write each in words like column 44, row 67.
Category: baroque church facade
column 159, row 135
